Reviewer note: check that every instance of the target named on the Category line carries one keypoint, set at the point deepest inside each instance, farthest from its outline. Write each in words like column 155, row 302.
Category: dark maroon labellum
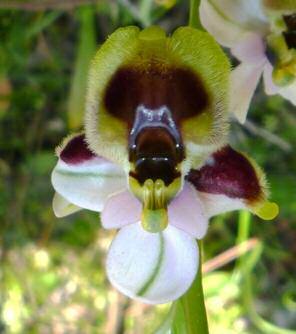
column 76, row 151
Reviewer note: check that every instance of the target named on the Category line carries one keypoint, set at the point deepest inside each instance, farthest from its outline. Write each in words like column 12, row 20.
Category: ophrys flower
column 153, row 159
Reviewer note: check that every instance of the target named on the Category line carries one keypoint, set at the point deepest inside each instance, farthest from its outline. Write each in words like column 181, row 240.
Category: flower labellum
column 155, row 92
column 154, row 159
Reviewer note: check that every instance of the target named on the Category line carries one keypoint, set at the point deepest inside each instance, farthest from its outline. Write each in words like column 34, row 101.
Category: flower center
column 155, row 197
column 155, row 153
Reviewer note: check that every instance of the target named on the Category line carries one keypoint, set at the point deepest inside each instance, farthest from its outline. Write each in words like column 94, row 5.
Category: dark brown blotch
column 290, row 34
column 154, row 86
column 156, row 156
column 290, row 21
column 290, row 38
column 229, row 173
column 76, row 151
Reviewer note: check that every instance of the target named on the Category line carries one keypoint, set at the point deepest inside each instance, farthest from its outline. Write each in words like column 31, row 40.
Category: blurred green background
column 52, row 276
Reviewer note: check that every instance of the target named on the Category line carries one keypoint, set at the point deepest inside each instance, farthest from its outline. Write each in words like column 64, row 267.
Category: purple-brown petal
column 76, row 151
column 229, row 173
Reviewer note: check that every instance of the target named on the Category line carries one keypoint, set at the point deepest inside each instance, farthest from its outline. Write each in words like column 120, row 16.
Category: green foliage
column 85, row 52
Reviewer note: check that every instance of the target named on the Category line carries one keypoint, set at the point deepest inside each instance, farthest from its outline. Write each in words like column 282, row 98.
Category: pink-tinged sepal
column 82, row 177
column 250, row 51
column 244, row 80
column 251, row 48
column 121, row 209
column 186, row 212
column 229, row 180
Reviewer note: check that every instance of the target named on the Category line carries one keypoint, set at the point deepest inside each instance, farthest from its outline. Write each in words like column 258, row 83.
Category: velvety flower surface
column 154, row 159
column 261, row 35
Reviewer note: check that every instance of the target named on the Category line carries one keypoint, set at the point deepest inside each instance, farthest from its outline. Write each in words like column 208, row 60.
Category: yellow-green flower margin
column 187, row 47
column 261, row 206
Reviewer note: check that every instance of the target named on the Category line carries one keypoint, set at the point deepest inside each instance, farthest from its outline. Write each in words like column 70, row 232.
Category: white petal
column 251, row 49
column 120, row 210
column 289, row 92
column 154, row 268
column 186, row 212
column 215, row 204
column 243, row 82
column 61, row 207
column 224, row 31
column 228, row 20
column 88, row 184
column 248, row 14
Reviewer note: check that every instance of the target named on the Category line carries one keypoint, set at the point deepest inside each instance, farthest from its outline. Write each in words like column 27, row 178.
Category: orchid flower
column 261, row 34
column 154, row 159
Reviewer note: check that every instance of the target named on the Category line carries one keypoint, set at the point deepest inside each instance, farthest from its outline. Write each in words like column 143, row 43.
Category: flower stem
column 245, row 267
column 194, row 21
column 193, row 304
column 244, row 225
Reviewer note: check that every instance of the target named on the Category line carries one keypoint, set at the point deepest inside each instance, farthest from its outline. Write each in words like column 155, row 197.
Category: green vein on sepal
column 89, row 174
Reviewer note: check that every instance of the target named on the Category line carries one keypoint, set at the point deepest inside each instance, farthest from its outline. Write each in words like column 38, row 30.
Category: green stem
column 244, row 268
column 244, row 224
column 194, row 20
column 193, row 304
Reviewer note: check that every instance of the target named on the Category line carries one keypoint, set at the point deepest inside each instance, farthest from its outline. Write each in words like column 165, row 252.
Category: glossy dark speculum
column 153, row 100
column 155, row 155
column 228, row 173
